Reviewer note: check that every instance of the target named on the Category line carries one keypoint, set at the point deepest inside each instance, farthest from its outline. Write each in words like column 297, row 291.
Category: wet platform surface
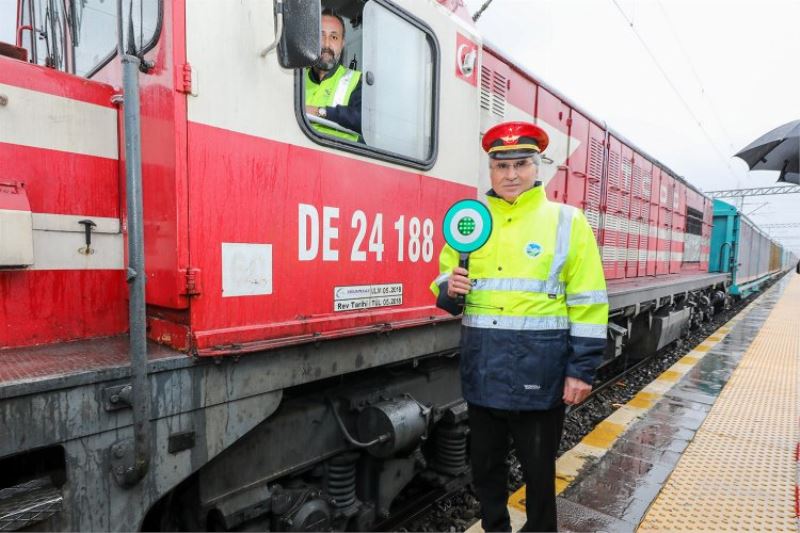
column 678, row 466
column 642, row 467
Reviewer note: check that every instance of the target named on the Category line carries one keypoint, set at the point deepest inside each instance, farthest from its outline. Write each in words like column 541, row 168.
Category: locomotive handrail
column 278, row 29
column 131, row 460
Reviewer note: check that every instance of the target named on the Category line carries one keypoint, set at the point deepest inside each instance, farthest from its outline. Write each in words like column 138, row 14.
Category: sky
column 689, row 81
column 8, row 19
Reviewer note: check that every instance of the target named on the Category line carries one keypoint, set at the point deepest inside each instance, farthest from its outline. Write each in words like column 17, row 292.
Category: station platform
column 712, row 444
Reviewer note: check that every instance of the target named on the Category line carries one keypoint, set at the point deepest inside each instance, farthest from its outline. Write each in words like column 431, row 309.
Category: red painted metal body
column 267, row 188
column 41, row 306
column 206, row 186
column 636, row 206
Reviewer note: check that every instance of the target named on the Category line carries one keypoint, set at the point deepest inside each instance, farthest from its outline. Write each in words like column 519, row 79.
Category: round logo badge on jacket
column 533, row 249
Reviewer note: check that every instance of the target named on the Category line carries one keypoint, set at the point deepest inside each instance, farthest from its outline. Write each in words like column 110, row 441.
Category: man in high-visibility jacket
column 533, row 328
column 332, row 91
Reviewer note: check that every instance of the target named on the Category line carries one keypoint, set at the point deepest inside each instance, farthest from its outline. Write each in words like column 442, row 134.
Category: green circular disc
column 467, row 225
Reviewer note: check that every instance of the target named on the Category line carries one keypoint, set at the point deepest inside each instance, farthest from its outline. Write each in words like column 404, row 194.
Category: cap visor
column 512, row 154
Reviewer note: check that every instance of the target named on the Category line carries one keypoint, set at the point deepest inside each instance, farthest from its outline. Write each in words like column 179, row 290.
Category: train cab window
column 373, row 91
column 80, row 36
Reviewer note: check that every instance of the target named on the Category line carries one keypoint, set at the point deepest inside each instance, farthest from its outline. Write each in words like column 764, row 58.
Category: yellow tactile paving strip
column 602, row 438
column 740, row 471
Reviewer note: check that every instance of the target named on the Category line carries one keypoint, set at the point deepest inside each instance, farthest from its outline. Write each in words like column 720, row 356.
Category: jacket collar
column 533, row 197
column 312, row 74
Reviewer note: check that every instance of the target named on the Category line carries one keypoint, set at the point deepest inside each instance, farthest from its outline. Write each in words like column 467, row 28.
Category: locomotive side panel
column 295, row 241
column 655, row 230
column 665, row 217
column 694, row 230
column 577, row 160
column 595, row 184
column 552, row 114
column 163, row 97
column 643, row 182
column 708, row 226
column 678, row 227
column 630, row 212
column 614, row 223
column 59, row 143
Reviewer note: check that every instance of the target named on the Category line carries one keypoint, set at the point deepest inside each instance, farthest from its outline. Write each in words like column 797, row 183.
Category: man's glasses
column 504, row 166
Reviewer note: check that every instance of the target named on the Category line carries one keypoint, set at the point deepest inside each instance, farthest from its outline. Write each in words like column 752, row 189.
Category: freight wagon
column 298, row 375
column 739, row 247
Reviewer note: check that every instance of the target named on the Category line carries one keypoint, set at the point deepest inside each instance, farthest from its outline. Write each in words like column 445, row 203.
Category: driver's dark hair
column 331, row 13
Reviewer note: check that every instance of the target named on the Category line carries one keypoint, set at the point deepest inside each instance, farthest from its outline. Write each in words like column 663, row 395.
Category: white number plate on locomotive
column 355, row 297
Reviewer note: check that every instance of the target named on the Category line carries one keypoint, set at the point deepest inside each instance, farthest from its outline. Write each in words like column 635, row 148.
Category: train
column 741, row 248
column 298, row 375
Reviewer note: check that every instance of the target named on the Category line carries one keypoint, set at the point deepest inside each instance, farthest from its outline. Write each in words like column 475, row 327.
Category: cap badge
column 509, row 139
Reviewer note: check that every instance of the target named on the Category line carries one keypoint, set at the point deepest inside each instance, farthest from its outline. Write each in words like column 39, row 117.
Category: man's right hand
column 459, row 282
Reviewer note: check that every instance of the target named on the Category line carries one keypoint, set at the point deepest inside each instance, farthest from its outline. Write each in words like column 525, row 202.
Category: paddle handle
column 463, row 262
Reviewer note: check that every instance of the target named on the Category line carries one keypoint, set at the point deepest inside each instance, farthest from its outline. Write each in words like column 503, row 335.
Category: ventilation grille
column 626, row 176
column 647, row 187
column 613, row 170
column 595, row 159
column 493, row 91
column 638, row 181
column 486, row 88
column 595, row 175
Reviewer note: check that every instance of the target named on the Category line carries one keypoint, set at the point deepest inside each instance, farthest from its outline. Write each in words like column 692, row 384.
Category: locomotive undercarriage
column 362, row 439
column 200, row 408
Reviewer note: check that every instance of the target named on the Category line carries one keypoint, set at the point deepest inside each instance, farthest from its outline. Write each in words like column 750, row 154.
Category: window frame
column 692, row 215
column 146, row 48
column 364, row 149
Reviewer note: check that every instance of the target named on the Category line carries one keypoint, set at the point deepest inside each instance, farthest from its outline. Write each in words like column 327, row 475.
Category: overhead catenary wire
column 480, row 10
column 674, row 88
column 757, row 208
column 688, row 59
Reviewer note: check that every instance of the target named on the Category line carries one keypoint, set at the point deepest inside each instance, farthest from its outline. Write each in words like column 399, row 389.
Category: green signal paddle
column 467, row 226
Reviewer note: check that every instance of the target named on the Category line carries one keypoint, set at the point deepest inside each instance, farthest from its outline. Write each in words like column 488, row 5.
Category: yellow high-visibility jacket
column 538, row 309
column 333, row 93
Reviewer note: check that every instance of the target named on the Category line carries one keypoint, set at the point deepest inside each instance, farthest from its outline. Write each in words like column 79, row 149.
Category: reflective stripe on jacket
column 538, row 309
column 335, row 90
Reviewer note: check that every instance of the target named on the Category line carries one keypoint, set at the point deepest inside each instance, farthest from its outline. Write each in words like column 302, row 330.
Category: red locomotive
column 299, row 375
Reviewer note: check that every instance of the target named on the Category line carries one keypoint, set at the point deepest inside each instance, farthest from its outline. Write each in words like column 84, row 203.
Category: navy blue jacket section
column 348, row 115
column 513, row 370
column 585, row 356
column 445, row 302
column 520, row 370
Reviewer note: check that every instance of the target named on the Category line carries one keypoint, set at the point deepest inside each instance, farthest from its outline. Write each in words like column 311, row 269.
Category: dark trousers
column 536, row 436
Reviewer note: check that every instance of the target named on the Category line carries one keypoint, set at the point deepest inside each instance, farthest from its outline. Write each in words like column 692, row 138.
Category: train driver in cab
column 533, row 328
column 333, row 91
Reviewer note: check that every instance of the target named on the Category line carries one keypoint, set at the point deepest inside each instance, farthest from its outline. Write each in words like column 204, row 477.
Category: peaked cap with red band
column 514, row 140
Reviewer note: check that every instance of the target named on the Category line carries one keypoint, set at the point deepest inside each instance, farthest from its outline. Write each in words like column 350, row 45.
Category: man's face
column 512, row 177
column 331, row 43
